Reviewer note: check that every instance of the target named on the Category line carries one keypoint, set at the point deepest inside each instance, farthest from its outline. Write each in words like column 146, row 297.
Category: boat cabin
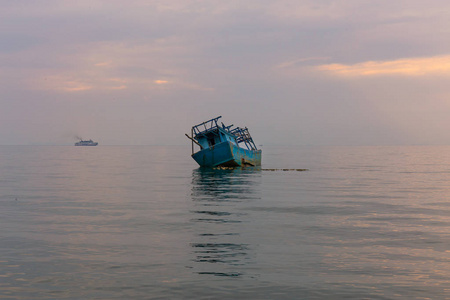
column 215, row 136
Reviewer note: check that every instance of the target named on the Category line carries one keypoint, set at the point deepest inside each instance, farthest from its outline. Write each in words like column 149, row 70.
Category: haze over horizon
column 294, row 72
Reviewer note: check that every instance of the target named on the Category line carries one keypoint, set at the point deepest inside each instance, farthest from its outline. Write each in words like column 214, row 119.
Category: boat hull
column 227, row 154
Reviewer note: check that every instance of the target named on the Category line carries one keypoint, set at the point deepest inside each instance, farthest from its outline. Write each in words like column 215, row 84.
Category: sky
column 295, row 72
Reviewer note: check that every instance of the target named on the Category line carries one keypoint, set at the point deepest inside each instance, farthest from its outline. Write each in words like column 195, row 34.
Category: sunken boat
column 223, row 146
column 86, row 143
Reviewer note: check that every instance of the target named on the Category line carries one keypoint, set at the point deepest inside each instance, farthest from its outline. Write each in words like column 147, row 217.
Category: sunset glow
column 345, row 72
column 161, row 82
column 407, row 67
column 71, row 84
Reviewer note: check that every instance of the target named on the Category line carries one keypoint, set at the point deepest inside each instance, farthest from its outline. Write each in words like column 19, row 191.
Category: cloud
column 74, row 82
column 159, row 81
column 74, row 86
column 257, row 60
column 132, row 65
column 300, row 61
column 103, row 64
column 404, row 67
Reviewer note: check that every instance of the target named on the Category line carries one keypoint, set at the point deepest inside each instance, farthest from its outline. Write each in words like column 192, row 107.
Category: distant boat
column 86, row 143
column 223, row 146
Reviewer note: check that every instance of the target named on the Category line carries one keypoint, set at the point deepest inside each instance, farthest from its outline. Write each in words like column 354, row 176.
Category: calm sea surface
column 144, row 222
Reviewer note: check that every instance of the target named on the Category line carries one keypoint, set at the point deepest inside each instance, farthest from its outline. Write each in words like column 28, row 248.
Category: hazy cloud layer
column 294, row 72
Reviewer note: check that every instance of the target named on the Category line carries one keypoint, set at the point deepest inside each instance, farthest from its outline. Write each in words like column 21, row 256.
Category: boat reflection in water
column 220, row 220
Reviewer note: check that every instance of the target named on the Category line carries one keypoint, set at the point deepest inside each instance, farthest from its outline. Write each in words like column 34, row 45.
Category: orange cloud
column 296, row 62
column 161, row 81
column 103, row 64
column 407, row 66
column 66, row 83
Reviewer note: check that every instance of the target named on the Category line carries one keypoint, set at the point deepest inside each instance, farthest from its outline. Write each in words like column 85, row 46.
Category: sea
column 144, row 222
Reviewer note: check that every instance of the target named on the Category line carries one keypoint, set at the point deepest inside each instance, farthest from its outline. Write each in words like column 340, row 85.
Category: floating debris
column 296, row 170
column 259, row 169
column 232, row 168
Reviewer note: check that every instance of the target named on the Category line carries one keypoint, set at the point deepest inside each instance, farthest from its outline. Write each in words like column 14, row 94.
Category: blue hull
column 227, row 154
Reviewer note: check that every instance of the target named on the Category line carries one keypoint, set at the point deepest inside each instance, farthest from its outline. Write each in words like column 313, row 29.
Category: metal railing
column 206, row 126
column 243, row 136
